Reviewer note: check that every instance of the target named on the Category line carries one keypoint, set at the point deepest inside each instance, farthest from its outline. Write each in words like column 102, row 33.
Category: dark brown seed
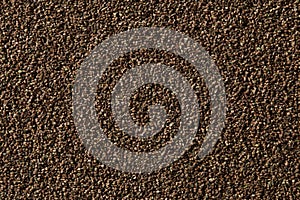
column 254, row 45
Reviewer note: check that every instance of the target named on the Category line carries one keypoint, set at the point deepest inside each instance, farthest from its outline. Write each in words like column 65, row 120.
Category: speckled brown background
column 255, row 46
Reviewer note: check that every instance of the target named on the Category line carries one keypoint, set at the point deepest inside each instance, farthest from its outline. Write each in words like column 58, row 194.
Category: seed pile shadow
column 42, row 46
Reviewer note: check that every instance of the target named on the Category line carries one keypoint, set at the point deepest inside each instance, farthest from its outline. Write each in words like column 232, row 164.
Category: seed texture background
column 254, row 45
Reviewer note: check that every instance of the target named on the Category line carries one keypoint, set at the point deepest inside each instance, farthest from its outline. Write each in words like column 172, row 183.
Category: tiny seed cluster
column 254, row 45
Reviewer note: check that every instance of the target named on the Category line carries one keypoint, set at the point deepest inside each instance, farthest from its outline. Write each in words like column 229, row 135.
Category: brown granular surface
column 254, row 45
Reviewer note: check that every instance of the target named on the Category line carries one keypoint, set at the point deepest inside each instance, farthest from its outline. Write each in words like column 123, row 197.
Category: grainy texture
column 255, row 46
